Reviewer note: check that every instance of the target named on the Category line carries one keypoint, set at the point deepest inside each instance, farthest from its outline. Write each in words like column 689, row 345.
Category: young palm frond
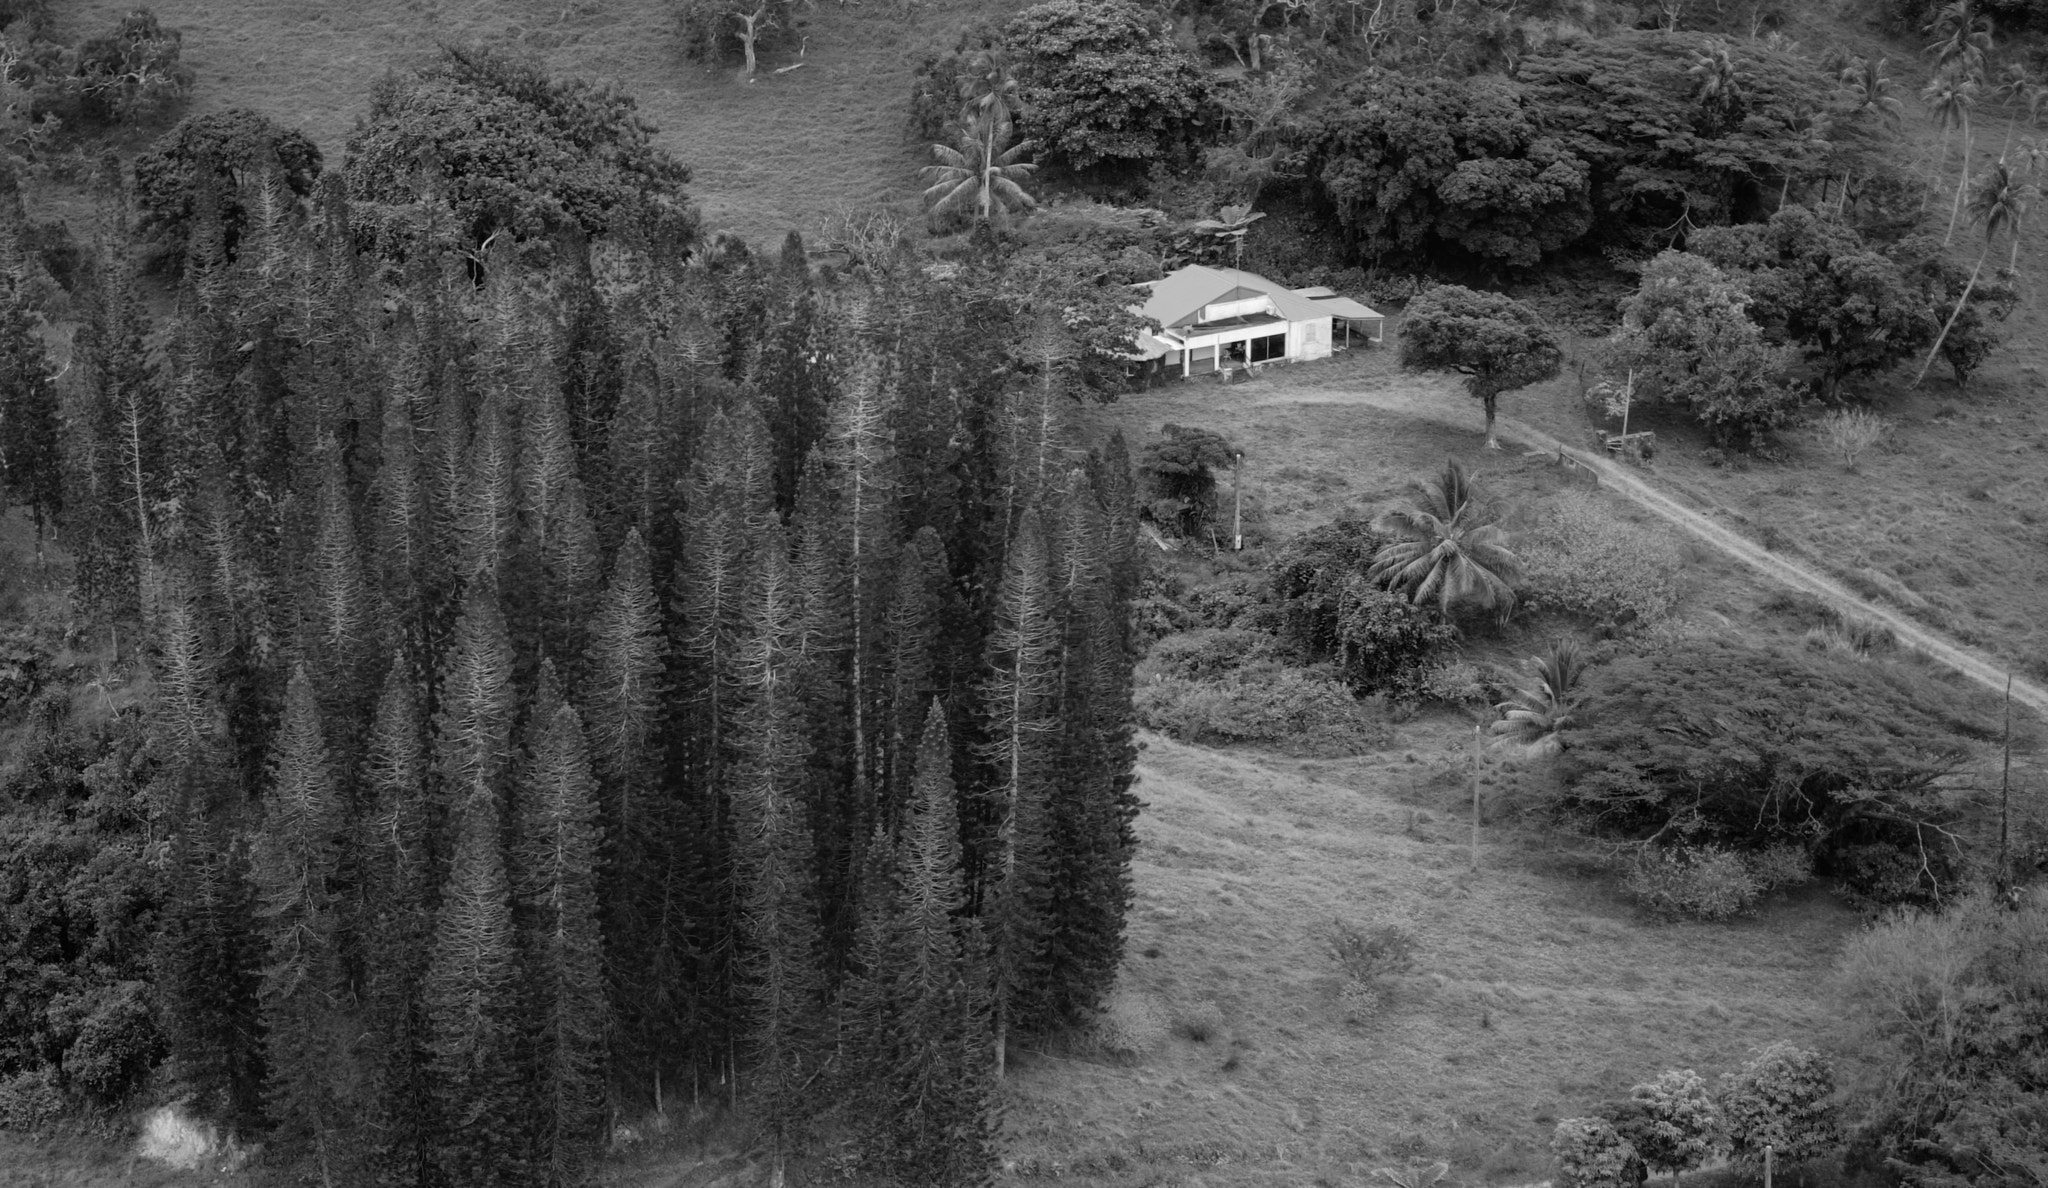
column 1447, row 548
column 1867, row 85
column 1538, row 716
column 981, row 174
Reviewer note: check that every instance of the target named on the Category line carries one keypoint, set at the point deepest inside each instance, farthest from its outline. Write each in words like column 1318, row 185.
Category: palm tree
column 989, row 91
column 1447, row 547
column 1961, row 39
column 1538, row 716
column 2000, row 202
column 981, row 173
column 1867, row 85
column 2016, row 84
column 1951, row 101
column 1717, row 87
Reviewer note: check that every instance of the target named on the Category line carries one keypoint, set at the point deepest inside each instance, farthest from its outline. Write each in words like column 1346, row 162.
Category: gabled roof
column 1176, row 299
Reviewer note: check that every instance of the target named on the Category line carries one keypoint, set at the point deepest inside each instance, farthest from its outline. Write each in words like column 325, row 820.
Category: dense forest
column 585, row 669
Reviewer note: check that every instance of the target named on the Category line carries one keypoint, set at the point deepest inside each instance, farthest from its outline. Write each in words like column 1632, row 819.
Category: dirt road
column 1418, row 400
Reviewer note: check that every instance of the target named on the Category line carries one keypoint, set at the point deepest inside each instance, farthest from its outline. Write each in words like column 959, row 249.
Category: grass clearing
column 785, row 151
column 1536, row 992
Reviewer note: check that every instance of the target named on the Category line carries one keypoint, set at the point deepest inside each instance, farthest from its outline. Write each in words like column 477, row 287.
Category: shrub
column 29, row 1100
column 1882, row 872
column 1209, row 652
column 1368, row 957
column 1592, row 1154
column 1672, row 1122
column 1706, row 883
column 1179, row 472
column 1847, row 432
column 1779, row 866
column 117, row 1044
column 1263, row 702
column 1452, row 683
column 1384, row 641
column 1587, row 559
column 1945, row 1010
column 1780, row 1099
column 1128, row 1026
column 1310, row 574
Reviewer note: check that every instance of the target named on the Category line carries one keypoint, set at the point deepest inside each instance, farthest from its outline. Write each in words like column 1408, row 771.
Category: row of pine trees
column 587, row 680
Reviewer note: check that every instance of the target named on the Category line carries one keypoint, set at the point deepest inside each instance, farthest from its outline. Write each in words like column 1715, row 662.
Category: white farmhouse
column 1215, row 319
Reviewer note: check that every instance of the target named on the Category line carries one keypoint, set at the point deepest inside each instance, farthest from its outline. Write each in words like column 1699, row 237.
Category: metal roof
column 1346, row 308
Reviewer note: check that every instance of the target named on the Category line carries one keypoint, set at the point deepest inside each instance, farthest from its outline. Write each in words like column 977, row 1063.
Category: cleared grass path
column 1404, row 398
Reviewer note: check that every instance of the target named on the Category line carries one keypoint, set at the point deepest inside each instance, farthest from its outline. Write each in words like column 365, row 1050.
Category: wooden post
column 1237, row 512
column 1769, row 1156
column 2005, row 794
column 1478, row 761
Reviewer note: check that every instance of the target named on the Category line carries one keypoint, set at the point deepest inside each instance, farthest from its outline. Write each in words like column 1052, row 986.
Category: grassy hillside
column 1536, row 992
column 785, row 151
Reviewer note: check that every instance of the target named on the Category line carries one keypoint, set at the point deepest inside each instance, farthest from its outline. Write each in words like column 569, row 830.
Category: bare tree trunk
column 1962, row 183
column 1492, row 443
column 757, row 22
column 1957, row 313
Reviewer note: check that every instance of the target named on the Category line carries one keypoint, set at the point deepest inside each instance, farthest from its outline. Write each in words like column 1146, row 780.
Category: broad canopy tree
column 1497, row 343
column 502, row 146
column 1104, row 87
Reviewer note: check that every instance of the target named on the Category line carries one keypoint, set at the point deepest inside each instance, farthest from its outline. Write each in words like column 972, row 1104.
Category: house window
column 1273, row 346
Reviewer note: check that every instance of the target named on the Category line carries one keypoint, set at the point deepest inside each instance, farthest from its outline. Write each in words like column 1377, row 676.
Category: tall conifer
column 304, row 1001
column 558, row 852
column 779, row 962
column 404, row 882
column 1020, row 710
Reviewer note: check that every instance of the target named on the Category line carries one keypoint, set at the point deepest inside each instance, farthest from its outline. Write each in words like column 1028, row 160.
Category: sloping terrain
column 1536, row 992
column 785, row 151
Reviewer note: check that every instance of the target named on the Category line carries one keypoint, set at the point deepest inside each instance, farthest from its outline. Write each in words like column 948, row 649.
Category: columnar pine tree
column 645, row 930
column 31, row 466
column 911, row 636
column 305, row 1004
column 558, row 850
column 477, row 704
column 478, row 1036
column 1020, row 707
column 927, row 1096
column 778, row 967
column 403, row 883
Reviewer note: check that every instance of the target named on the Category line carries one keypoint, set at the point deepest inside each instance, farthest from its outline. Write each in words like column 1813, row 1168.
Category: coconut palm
column 1961, row 39
column 2000, row 203
column 989, row 92
column 1951, row 100
column 1867, row 85
column 2015, row 85
column 1538, row 716
column 982, row 174
column 1446, row 547
column 1717, row 86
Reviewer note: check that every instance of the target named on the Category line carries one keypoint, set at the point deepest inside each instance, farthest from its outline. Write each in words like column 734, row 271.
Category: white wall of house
column 1235, row 309
column 1309, row 340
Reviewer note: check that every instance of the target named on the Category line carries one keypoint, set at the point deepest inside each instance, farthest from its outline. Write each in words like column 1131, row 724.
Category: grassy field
column 1536, row 993
column 786, row 151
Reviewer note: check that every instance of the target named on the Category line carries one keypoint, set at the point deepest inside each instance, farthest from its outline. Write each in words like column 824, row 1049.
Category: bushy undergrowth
column 1586, row 559
column 1710, row 883
column 1368, row 957
column 1305, row 711
column 1944, row 1014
